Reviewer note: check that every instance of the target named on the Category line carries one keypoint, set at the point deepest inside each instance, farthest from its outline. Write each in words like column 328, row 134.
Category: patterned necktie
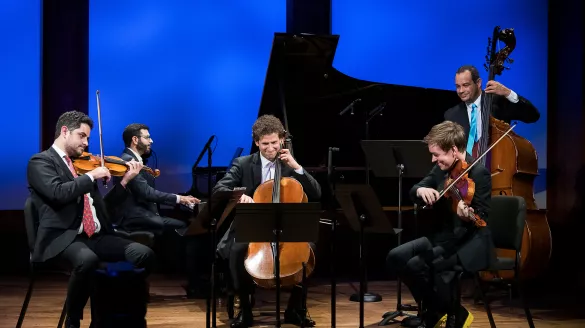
column 472, row 130
column 88, row 223
column 268, row 176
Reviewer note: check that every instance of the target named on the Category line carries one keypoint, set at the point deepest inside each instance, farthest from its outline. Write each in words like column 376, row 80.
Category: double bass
column 514, row 166
column 260, row 263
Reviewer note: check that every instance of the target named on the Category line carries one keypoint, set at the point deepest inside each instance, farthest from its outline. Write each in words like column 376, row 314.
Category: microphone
column 378, row 109
column 350, row 106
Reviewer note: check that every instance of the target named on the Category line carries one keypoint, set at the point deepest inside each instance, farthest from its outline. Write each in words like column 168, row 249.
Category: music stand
column 278, row 222
column 391, row 159
column 364, row 214
column 221, row 200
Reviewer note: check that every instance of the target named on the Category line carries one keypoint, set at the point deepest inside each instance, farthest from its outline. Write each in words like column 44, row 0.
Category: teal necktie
column 472, row 129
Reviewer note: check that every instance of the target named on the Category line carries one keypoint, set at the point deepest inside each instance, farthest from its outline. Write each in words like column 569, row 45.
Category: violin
column 88, row 162
column 462, row 190
column 117, row 166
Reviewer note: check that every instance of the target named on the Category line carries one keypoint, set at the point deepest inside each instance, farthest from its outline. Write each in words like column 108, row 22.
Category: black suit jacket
column 502, row 109
column 473, row 245
column 58, row 198
column 246, row 171
column 143, row 199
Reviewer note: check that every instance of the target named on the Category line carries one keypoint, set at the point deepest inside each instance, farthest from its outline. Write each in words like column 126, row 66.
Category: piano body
column 308, row 94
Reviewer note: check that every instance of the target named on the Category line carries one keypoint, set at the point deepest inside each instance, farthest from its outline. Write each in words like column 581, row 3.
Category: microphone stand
column 333, row 225
column 369, row 297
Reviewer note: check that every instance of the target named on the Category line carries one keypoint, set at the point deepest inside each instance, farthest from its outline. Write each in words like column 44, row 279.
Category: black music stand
column 365, row 215
column 391, row 159
column 275, row 223
column 222, row 200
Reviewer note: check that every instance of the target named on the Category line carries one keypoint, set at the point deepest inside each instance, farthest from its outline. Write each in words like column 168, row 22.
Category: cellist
column 507, row 105
column 249, row 172
column 425, row 264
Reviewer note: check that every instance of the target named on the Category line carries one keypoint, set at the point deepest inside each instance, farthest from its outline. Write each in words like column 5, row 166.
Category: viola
column 88, row 162
column 459, row 186
column 462, row 190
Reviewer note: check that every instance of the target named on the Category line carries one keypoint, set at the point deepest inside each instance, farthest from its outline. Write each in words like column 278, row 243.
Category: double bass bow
column 260, row 262
column 514, row 166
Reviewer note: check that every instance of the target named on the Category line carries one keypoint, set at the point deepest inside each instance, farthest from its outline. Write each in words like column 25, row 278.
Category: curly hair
column 72, row 120
column 265, row 125
column 446, row 135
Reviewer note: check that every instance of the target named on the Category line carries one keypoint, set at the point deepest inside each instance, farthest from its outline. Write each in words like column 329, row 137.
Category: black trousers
column 427, row 274
column 243, row 283
column 84, row 255
column 153, row 223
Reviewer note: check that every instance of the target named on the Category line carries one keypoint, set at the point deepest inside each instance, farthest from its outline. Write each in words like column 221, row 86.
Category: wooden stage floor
column 169, row 307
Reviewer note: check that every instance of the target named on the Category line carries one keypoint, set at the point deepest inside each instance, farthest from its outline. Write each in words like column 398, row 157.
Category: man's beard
column 142, row 148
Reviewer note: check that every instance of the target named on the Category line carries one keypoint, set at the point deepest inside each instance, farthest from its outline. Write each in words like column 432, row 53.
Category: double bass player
column 507, row 105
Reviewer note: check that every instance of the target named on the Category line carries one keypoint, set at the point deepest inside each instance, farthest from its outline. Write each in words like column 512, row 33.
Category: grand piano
column 308, row 94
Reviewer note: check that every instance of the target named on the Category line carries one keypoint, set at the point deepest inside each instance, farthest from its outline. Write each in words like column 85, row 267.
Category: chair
column 31, row 221
column 506, row 222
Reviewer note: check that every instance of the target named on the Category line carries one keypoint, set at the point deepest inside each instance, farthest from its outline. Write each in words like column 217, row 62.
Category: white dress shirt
column 93, row 212
column 512, row 97
column 267, row 167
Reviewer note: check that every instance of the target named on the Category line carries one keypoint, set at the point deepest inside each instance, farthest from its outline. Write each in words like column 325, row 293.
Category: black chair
column 506, row 222
column 31, row 221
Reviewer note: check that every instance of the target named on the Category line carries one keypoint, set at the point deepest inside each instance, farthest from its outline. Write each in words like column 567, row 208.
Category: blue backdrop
column 19, row 90
column 422, row 44
column 188, row 69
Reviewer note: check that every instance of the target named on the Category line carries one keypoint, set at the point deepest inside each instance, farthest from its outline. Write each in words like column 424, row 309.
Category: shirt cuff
column 300, row 170
column 90, row 176
column 178, row 199
column 513, row 97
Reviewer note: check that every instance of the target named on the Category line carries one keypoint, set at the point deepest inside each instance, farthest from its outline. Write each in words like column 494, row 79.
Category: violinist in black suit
column 506, row 106
column 426, row 264
column 249, row 172
column 139, row 211
column 73, row 218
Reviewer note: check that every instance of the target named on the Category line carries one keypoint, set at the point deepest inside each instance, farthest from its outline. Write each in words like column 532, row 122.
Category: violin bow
column 472, row 164
column 99, row 113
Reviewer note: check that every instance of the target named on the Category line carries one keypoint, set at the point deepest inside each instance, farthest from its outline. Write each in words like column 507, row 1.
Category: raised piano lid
column 307, row 93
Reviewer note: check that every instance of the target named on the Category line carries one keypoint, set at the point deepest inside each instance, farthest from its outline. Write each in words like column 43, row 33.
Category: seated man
column 73, row 217
column 426, row 264
column 249, row 172
column 139, row 211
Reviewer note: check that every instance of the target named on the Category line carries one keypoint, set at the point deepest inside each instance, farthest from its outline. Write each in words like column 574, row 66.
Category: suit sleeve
column 310, row 186
column 114, row 198
column 46, row 181
column 429, row 181
column 483, row 193
column 232, row 179
column 523, row 110
column 139, row 187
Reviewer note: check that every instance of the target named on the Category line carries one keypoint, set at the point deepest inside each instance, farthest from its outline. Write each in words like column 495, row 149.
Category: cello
column 260, row 262
column 514, row 166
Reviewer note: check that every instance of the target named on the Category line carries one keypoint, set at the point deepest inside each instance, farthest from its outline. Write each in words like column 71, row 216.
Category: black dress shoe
column 72, row 323
column 243, row 320
column 295, row 317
